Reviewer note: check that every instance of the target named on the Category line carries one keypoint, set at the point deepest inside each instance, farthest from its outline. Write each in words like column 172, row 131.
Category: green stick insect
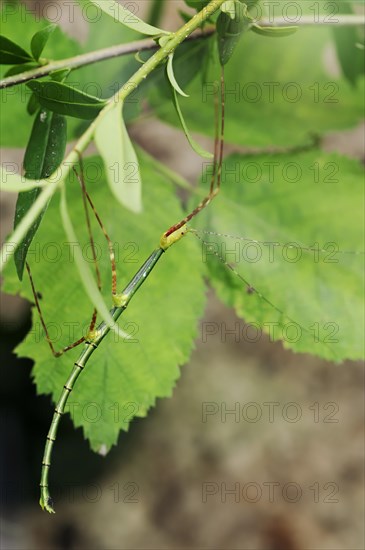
column 120, row 300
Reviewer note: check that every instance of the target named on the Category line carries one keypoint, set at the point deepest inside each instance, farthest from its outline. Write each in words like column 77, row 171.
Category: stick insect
column 121, row 299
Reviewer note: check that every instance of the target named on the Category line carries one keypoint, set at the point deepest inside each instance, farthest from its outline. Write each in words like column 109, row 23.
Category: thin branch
column 93, row 57
column 150, row 45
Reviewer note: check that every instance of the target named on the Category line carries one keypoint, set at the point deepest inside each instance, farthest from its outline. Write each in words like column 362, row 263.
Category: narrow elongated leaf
column 197, row 148
column 11, row 53
column 44, row 153
column 171, row 76
column 120, row 159
column 230, row 29
column 32, row 105
column 127, row 18
column 274, row 32
column 191, row 61
column 65, row 100
column 40, row 39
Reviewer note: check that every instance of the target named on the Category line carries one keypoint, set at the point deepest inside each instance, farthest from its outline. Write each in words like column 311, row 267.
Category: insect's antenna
column 332, row 247
column 217, row 166
column 251, row 290
column 102, row 227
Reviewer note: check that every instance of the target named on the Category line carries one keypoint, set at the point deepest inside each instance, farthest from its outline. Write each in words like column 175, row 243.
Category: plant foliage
column 279, row 94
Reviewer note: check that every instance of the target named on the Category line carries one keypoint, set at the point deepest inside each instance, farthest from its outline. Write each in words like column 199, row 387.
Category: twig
column 93, row 57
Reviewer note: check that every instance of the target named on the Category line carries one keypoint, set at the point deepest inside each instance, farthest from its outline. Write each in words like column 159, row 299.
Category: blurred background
column 258, row 447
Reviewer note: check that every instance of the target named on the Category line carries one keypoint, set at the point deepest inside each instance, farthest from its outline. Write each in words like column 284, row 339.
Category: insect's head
column 170, row 237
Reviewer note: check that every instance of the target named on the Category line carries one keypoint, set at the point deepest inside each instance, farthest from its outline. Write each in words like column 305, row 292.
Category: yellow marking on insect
column 92, row 335
column 166, row 242
column 120, row 300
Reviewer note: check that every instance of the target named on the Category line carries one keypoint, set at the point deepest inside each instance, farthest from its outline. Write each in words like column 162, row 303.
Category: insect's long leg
column 92, row 242
column 55, row 353
column 85, row 198
column 38, row 306
column 217, row 166
column 102, row 227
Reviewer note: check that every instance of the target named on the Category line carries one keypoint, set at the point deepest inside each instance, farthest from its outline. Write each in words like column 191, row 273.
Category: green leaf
column 123, row 378
column 66, row 100
column 274, row 32
column 195, row 146
column 309, row 198
column 120, row 159
column 171, row 76
column 127, row 18
column 60, row 75
column 44, row 153
column 40, row 39
column 32, row 105
column 230, row 27
column 11, row 53
column 191, row 61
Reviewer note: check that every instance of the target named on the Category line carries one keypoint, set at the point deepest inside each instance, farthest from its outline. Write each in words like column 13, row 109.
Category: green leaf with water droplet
column 43, row 155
